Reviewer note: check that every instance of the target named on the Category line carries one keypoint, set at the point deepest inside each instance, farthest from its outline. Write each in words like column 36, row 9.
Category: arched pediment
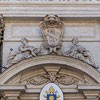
column 41, row 61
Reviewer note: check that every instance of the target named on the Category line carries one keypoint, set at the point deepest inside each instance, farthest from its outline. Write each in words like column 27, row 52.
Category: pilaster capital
column 11, row 95
column 91, row 95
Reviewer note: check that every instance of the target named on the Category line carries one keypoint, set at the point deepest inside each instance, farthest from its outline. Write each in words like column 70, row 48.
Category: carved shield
column 53, row 37
column 52, row 30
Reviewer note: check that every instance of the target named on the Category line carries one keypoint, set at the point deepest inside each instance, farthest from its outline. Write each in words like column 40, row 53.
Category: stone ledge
column 76, row 10
column 12, row 87
column 37, row 89
column 89, row 87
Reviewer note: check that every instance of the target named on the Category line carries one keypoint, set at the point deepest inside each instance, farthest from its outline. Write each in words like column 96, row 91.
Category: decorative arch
column 50, row 59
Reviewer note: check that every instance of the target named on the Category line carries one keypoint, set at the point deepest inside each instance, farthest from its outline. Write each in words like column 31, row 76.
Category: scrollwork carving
column 37, row 80
column 54, row 78
column 67, row 80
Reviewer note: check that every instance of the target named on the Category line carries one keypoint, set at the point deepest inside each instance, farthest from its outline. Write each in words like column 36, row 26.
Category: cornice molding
column 40, row 10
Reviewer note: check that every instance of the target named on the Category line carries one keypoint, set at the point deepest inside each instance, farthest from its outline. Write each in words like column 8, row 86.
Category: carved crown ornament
column 52, row 29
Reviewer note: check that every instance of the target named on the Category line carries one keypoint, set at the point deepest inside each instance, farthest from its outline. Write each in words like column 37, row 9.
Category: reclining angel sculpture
column 24, row 51
column 81, row 53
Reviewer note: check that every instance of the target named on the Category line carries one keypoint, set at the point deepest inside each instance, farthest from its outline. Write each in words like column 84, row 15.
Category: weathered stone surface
column 25, row 78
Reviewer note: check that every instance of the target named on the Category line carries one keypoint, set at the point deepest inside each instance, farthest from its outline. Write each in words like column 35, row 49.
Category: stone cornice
column 61, row 2
column 89, row 87
column 40, row 10
column 34, row 89
column 12, row 87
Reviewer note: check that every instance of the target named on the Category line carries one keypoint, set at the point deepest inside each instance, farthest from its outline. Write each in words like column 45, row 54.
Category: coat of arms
column 52, row 30
column 51, row 92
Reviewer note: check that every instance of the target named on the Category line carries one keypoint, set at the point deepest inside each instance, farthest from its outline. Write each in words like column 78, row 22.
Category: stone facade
column 49, row 41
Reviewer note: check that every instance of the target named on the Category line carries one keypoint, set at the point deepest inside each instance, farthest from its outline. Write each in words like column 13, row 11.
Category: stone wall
column 87, row 32
column 23, row 17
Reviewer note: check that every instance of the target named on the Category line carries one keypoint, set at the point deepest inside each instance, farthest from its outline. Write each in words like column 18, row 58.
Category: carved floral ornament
column 56, row 76
column 52, row 29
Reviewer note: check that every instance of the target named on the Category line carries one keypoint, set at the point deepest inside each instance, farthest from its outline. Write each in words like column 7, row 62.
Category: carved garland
column 55, row 77
column 62, row 79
